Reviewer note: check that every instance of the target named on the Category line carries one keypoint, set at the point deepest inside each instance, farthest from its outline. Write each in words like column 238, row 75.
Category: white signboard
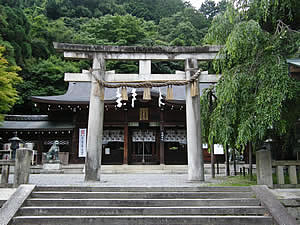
column 218, row 149
column 107, row 151
column 82, row 142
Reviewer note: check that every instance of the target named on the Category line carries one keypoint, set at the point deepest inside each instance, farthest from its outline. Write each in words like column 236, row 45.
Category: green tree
column 113, row 30
column 187, row 27
column 210, row 9
column 43, row 77
column 8, row 79
column 255, row 92
column 14, row 33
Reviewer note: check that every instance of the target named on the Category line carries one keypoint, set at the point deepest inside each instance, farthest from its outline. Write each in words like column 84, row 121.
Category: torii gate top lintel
column 138, row 52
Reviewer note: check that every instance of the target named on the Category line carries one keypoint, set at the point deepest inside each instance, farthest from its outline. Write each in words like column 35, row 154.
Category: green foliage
column 28, row 29
column 113, row 30
column 154, row 10
column 14, row 32
column 210, row 9
column 47, row 74
column 255, row 93
column 45, row 32
column 8, row 79
column 184, row 28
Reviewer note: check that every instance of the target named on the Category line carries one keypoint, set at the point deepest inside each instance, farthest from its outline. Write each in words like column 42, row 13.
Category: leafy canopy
column 8, row 79
column 254, row 92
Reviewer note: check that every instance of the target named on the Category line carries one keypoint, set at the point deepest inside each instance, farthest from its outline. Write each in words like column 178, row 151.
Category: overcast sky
column 196, row 3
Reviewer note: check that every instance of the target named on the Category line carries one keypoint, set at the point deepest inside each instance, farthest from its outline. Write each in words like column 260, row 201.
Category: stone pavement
column 119, row 180
column 110, row 180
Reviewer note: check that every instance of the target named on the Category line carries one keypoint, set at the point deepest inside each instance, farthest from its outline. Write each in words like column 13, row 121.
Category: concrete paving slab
column 5, row 193
column 289, row 193
column 119, row 180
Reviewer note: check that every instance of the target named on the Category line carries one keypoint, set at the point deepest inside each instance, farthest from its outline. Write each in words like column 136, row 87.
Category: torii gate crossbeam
column 99, row 54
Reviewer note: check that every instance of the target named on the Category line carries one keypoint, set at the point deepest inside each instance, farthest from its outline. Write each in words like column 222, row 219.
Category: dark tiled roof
column 26, row 117
column 36, row 125
column 79, row 93
column 295, row 62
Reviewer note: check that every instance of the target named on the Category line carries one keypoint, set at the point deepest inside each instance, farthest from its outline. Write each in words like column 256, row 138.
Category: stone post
column 194, row 144
column 280, row 175
column 5, row 174
column 95, row 122
column 264, row 168
column 293, row 175
column 22, row 166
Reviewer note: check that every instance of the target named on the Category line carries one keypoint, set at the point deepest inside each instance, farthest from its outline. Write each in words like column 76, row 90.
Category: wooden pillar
column 125, row 156
column 161, row 141
column 95, row 122
column 194, row 143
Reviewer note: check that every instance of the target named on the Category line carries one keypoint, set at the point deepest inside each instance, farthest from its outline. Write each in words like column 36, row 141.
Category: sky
column 196, row 3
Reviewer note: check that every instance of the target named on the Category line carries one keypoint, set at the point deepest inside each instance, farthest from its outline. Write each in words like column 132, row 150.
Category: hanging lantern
column 170, row 95
column 147, row 94
column 124, row 95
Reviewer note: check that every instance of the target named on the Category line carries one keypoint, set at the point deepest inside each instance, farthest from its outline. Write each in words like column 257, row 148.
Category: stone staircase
column 61, row 205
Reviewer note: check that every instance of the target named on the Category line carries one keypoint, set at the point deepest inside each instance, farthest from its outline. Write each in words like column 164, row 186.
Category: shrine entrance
column 143, row 147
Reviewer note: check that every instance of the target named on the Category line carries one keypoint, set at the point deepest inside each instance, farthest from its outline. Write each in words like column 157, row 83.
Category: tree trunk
column 250, row 160
column 227, row 161
column 212, row 160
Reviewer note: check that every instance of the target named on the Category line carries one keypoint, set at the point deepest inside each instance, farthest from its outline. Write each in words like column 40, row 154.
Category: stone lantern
column 14, row 141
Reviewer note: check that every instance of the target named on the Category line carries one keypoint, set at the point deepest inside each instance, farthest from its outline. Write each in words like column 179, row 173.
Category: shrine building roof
column 79, row 93
column 33, row 122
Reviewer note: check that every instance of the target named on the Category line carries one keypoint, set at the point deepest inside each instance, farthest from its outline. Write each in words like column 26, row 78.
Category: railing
column 280, row 168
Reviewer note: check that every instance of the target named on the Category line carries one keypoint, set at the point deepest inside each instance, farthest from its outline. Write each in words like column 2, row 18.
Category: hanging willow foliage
column 255, row 90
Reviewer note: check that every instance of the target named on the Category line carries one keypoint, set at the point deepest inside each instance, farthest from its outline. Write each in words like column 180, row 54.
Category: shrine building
column 143, row 134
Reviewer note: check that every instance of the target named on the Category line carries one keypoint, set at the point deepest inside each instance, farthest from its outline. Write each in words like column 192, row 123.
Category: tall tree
column 255, row 92
column 14, row 33
column 8, row 79
column 43, row 77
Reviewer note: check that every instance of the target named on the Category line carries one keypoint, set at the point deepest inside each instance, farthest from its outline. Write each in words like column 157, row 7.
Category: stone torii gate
column 99, row 54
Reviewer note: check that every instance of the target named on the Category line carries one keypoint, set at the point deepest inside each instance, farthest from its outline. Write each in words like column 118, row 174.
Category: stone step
column 101, row 211
column 141, row 202
column 141, row 195
column 142, row 189
column 140, row 220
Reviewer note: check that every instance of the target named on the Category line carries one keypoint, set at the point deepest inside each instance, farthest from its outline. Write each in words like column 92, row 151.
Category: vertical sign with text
column 82, row 142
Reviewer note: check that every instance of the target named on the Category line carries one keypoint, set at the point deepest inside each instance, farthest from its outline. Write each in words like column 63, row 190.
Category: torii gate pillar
column 194, row 143
column 95, row 123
